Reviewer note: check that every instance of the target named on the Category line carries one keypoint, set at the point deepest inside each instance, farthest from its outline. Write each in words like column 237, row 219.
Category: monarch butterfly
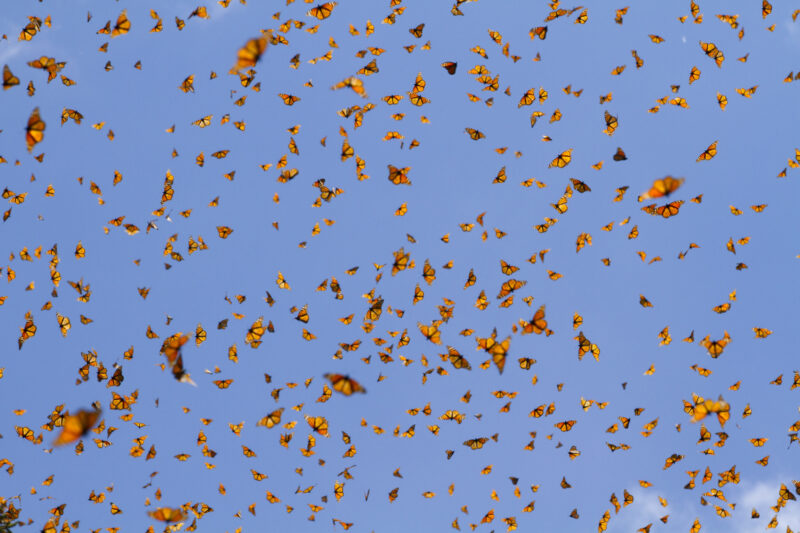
column 431, row 332
column 457, row 360
column 9, row 80
column 474, row 134
column 709, row 152
column 663, row 187
column 30, row 29
column 34, row 132
column 713, row 52
column 167, row 514
column 318, row 424
column 344, row 384
column 289, row 99
column 76, row 426
column 180, row 373
column 619, row 155
column 670, row 209
column 417, row 99
column 507, row 269
column 477, row 443
column 249, row 54
column 353, row 83
column 223, row 383
column 715, row 348
column 369, row 69
column 392, row 99
column 762, row 333
column 322, row 11
column 272, row 419
column 561, row 160
column 64, row 324
column 539, row 31
column 747, row 93
column 565, row 425
column 122, row 26
column 639, row 60
column 537, row 324
column 281, row 282
column 694, row 75
column 450, row 67
column 172, row 346
column 27, row 331
column 611, row 124
column 399, row 176
column 417, row 31
column 254, row 334
column 202, row 123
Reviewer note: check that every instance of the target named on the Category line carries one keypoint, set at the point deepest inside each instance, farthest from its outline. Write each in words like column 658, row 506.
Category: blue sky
column 451, row 179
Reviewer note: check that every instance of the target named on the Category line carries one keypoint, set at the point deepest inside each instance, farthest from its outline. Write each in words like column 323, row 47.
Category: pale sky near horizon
column 451, row 186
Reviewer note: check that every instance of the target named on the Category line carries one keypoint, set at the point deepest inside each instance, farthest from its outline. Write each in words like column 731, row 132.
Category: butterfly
column 73, row 427
column 662, row 187
column 431, row 332
column 702, row 408
column 180, row 373
column 34, row 132
column 272, row 419
column 344, row 384
column 565, row 425
column 172, row 345
column 249, row 54
column 167, row 514
column 537, row 324
column 318, row 424
column 30, row 29
column 539, row 31
column 322, row 11
column 399, row 176
column 9, row 80
column 709, row 152
column 122, row 26
column 456, row 359
column 713, row 52
column 561, row 160
column 477, row 443
column 474, row 134
column 449, row 66
column 498, row 350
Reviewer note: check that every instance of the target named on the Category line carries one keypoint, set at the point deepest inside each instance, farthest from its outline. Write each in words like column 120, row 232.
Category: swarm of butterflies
column 365, row 354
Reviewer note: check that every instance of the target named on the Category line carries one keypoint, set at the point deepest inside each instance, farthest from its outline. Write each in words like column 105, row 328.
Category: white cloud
column 762, row 496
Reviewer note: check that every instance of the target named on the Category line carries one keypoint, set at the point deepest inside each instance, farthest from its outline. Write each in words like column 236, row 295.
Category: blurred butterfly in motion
column 249, row 54
column 76, row 426
column 34, row 132
column 167, row 514
column 662, row 187
column 344, row 384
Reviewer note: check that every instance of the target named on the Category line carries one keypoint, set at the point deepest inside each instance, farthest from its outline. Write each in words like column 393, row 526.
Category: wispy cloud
column 646, row 509
column 7, row 52
column 761, row 496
